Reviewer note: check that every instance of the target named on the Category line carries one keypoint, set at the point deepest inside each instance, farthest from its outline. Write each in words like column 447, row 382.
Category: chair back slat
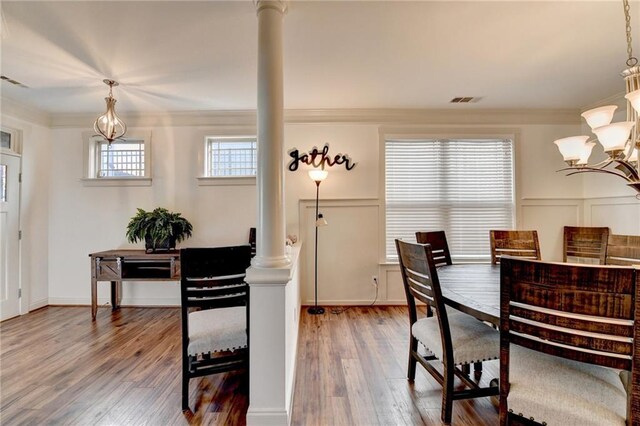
column 580, row 312
column 214, row 277
column 623, row 250
column 522, row 244
column 420, row 279
column 439, row 246
column 585, row 244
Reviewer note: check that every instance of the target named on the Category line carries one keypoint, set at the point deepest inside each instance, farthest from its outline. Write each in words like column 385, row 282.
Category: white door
column 9, row 238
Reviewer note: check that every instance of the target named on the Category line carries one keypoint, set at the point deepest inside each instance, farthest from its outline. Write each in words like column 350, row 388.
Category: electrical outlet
column 374, row 280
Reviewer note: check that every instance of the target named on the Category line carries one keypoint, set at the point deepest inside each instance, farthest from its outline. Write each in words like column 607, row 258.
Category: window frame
column 90, row 177
column 386, row 133
column 207, row 180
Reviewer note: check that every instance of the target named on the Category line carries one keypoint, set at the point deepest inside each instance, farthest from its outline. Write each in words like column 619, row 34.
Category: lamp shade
column 586, row 152
column 572, row 147
column 318, row 175
column 321, row 221
column 599, row 117
column 634, row 99
column 613, row 137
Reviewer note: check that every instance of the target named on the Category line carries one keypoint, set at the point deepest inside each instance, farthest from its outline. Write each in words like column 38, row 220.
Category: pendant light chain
column 632, row 61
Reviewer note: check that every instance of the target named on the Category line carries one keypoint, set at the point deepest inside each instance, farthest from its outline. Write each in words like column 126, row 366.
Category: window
column 230, row 156
column 464, row 186
column 126, row 162
column 120, row 159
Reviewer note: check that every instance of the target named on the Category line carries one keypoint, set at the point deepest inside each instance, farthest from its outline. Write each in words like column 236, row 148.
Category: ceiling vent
column 464, row 100
column 12, row 81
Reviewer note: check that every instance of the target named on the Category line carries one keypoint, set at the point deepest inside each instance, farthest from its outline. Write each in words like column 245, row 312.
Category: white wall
column 34, row 208
column 84, row 219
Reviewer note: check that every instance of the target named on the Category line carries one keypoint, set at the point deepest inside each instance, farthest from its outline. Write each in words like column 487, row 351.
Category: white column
column 270, row 232
column 270, row 273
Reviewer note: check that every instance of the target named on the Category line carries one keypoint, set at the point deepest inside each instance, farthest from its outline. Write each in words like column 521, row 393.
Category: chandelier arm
column 629, row 167
column 587, row 169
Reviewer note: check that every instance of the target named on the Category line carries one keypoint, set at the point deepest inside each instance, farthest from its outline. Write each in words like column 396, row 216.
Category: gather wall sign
column 319, row 159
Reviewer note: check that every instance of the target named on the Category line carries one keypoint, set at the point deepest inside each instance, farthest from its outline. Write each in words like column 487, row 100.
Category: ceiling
column 189, row 56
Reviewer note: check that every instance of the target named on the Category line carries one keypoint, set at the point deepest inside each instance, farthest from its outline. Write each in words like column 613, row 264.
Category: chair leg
column 413, row 347
column 447, row 395
column 185, row 383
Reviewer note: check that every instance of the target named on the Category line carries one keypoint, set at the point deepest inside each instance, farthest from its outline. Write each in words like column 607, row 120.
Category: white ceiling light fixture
column 109, row 125
column 621, row 140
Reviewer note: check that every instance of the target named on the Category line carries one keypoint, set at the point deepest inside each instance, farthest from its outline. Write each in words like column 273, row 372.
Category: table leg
column 114, row 295
column 94, row 298
column 119, row 292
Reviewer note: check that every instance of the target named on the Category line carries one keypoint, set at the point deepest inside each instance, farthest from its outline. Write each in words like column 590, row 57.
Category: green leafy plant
column 160, row 228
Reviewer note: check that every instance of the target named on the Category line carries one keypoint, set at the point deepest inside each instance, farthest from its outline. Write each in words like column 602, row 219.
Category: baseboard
column 39, row 304
column 265, row 417
column 170, row 302
column 355, row 303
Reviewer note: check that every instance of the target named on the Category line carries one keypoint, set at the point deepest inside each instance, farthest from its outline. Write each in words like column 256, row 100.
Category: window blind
column 462, row 186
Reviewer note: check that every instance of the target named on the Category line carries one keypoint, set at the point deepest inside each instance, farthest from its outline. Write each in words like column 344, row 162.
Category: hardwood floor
column 352, row 371
column 59, row 367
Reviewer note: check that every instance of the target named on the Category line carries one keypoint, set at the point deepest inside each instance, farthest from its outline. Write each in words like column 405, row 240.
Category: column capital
column 279, row 5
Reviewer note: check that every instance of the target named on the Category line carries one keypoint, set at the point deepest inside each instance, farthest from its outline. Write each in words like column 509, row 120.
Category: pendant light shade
column 598, row 117
column 109, row 125
column 613, row 137
column 572, row 148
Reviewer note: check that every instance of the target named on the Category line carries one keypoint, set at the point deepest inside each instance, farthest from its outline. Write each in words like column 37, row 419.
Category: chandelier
column 109, row 125
column 621, row 140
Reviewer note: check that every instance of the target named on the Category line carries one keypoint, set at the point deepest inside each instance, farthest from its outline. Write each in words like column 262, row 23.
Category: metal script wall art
column 319, row 159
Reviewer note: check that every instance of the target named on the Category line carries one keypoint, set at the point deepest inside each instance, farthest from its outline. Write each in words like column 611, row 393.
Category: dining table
column 473, row 288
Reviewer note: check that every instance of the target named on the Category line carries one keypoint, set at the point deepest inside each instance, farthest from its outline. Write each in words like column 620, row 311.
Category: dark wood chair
column 252, row 241
column 439, row 247
column 623, row 250
column 514, row 243
column 215, row 312
column 560, row 326
column 450, row 336
column 585, row 244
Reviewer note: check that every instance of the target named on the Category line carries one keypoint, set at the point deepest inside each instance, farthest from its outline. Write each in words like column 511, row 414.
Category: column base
column 315, row 310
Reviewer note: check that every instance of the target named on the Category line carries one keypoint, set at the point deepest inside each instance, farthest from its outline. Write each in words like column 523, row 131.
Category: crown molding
column 617, row 99
column 15, row 109
column 334, row 116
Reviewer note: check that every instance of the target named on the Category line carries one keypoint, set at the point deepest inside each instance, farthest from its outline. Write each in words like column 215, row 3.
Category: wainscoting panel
column 621, row 214
column 347, row 251
column 549, row 217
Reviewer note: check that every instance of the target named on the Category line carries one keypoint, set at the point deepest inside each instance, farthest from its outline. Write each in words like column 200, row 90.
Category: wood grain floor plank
column 59, row 367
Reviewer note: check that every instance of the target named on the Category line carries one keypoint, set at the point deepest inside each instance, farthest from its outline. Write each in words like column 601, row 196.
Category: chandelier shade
column 109, row 125
column 572, row 148
column 634, row 99
column 613, row 137
column 586, row 153
column 598, row 117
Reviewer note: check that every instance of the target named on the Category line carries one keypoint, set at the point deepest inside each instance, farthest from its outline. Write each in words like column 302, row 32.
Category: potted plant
column 160, row 229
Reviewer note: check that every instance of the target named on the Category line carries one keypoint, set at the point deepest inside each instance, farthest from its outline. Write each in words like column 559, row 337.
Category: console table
column 125, row 265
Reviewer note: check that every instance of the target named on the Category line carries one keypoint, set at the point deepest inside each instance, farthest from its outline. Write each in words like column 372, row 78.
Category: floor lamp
column 317, row 176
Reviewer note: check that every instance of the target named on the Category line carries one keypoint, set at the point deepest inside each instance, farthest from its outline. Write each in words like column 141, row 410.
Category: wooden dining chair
column 514, row 243
column 585, row 244
column 566, row 331
column 450, row 336
column 214, row 311
column 252, row 241
column 623, row 250
column 439, row 246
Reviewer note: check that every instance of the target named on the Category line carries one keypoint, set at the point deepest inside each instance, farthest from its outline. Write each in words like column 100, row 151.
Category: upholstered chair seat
column 563, row 392
column 472, row 340
column 217, row 330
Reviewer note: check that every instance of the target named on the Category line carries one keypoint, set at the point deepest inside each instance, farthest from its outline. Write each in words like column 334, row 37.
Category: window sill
column 144, row 181
column 226, row 181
